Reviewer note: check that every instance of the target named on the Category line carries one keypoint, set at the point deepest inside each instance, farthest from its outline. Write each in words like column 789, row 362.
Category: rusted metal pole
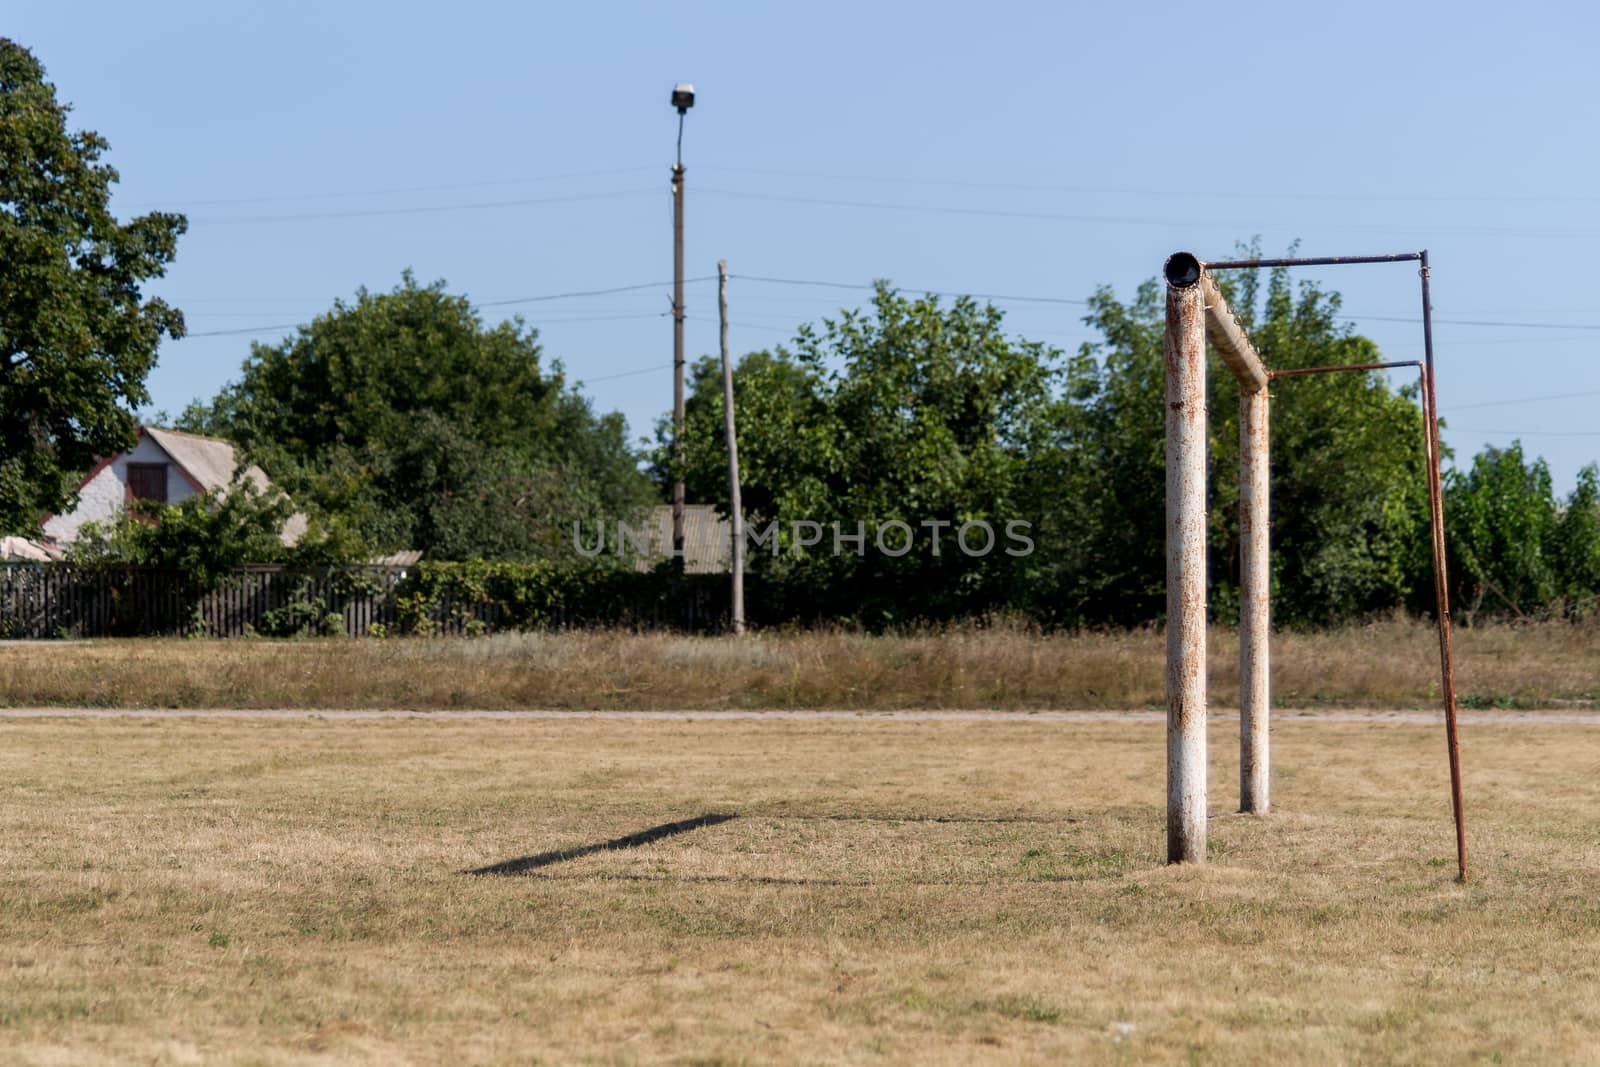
column 1255, row 704
column 1430, row 414
column 1186, row 561
column 735, row 508
column 677, row 354
column 1230, row 340
column 1441, row 581
column 1313, row 261
column 1295, row 372
column 1255, row 582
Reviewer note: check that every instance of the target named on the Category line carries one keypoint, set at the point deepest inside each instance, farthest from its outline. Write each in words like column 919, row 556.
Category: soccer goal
column 1196, row 311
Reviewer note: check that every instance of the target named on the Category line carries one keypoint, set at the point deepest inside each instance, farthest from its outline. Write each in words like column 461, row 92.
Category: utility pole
column 683, row 100
column 735, row 508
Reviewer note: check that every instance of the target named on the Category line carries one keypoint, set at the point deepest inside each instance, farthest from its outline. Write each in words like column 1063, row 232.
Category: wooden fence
column 43, row 600
column 58, row 600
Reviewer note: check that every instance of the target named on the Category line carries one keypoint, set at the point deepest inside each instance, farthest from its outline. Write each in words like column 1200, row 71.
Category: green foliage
column 909, row 412
column 77, row 340
column 1348, row 491
column 424, row 428
column 301, row 617
column 478, row 596
column 1574, row 545
column 1513, row 548
column 915, row 412
column 318, row 591
column 206, row 538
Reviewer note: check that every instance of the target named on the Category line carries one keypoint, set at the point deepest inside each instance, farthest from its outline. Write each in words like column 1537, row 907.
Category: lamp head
column 683, row 97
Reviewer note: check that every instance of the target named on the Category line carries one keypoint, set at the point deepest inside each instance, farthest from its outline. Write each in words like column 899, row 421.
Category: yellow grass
column 1390, row 664
column 188, row 891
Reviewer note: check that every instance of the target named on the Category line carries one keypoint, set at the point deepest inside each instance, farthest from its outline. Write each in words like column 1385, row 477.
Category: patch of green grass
column 1072, row 864
column 1027, row 1009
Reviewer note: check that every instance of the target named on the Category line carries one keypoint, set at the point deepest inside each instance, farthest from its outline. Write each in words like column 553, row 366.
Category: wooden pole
column 735, row 508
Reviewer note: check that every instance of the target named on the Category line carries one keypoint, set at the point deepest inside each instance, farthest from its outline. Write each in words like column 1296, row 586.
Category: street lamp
column 683, row 100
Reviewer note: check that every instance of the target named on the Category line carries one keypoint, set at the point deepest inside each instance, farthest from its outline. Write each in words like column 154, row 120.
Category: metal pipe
column 677, row 358
column 1185, row 355
column 1295, row 372
column 735, row 507
column 1255, row 582
column 1313, row 261
column 1230, row 340
column 1441, row 582
column 1430, row 414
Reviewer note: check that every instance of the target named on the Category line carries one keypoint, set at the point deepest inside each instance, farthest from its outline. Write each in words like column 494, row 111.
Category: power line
column 549, row 316
column 400, row 190
column 185, row 301
column 1085, row 303
column 624, row 374
column 910, row 289
column 885, row 179
column 242, row 330
column 591, row 292
column 1455, row 343
column 1525, row 400
column 492, row 303
column 588, row 309
column 1136, row 191
column 742, row 324
column 1485, row 322
column 790, row 331
column 882, row 206
column 1122, row 220
column 1527, row 433
column 311, row 216
column 556, row 321
column 951, row 294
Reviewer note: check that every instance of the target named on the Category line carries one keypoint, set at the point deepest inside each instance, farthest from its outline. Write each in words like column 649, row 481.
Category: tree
column 910, row 412
column 1348, row 490
column 1503, row 528
column 427, row 429
column 1575, row 545
column 205, row 537
column 77, row 339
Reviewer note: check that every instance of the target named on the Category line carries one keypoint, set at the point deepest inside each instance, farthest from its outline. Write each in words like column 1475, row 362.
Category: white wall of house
column 106, row 494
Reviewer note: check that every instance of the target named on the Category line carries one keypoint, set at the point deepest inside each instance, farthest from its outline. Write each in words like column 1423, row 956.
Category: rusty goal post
column 1196, row 312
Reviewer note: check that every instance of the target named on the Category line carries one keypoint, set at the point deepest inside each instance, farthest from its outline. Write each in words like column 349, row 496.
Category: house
column 26, row 550
column 707, row 539
column 165, row 465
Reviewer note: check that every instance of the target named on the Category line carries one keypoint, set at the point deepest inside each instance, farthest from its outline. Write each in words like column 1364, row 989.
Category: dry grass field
column 262, row 892
column 1387, row 665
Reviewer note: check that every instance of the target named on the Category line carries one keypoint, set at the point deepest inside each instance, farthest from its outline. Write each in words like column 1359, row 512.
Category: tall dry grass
column 1387, row 664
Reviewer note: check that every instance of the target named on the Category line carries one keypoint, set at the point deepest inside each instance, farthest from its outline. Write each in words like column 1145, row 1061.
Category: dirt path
column 1544, row 716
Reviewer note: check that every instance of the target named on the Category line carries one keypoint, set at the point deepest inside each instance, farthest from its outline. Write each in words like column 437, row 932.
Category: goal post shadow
column 1195, row 312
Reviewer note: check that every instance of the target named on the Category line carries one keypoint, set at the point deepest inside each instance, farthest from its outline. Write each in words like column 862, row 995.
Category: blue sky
column 522, row 150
